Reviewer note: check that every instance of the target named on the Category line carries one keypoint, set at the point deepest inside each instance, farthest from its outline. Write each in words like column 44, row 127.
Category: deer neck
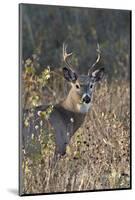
column 71, row 119
column 71, row 102
column 69, row 112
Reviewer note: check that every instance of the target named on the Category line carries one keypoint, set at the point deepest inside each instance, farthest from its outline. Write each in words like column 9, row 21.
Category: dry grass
column 98, row 156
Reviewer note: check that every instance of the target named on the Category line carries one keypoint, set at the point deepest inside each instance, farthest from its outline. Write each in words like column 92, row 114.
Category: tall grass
column 98, row 156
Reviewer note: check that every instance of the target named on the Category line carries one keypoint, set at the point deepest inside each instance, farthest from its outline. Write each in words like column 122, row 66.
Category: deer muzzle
column 86, row 98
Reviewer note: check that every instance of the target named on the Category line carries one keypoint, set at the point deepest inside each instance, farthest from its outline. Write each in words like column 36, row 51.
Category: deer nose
column 86, row 99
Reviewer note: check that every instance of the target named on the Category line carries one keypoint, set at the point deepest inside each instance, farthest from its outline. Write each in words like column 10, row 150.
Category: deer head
column 82, row 85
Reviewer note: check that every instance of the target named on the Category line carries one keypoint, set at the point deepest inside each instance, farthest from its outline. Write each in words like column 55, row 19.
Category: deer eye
column 77, row 86
column 91, row 86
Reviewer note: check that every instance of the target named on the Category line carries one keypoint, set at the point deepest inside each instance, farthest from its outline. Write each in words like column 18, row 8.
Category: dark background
column 45, row 28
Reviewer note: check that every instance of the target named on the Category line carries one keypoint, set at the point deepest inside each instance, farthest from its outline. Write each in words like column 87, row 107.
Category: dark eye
column 91, row 86
column 77, row 86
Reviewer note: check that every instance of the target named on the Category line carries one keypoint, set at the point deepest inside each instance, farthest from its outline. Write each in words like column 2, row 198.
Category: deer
column 69, row 114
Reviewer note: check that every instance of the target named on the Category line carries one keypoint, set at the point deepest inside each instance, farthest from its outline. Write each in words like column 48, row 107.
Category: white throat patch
column 83, row 108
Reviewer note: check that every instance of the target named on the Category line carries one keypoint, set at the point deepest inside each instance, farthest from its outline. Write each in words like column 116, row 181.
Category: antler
column 97, row 60
column 66, row 55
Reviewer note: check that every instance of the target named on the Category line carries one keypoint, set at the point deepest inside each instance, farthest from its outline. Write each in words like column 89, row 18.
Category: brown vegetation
column 98, row 154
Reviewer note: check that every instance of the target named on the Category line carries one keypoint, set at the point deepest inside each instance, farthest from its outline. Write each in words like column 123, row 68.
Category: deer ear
column 98, row 74
column 69, row 75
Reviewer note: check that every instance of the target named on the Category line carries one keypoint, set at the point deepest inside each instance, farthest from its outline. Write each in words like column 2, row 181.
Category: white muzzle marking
column 84, row 107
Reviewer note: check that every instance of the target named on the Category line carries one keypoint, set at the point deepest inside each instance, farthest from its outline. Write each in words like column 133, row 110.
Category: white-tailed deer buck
column 68, row 115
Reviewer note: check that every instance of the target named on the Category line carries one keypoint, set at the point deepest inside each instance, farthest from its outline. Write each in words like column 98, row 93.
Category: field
column 98, row 156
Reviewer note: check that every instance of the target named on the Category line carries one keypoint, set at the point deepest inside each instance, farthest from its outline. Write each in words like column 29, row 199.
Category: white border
column 9, row 98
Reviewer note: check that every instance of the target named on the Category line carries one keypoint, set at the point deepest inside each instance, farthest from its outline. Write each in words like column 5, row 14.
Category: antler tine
column 98, row 58
column 66, row 55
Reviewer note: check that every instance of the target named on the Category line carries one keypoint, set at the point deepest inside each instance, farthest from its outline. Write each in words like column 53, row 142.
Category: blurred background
column 45, row 28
